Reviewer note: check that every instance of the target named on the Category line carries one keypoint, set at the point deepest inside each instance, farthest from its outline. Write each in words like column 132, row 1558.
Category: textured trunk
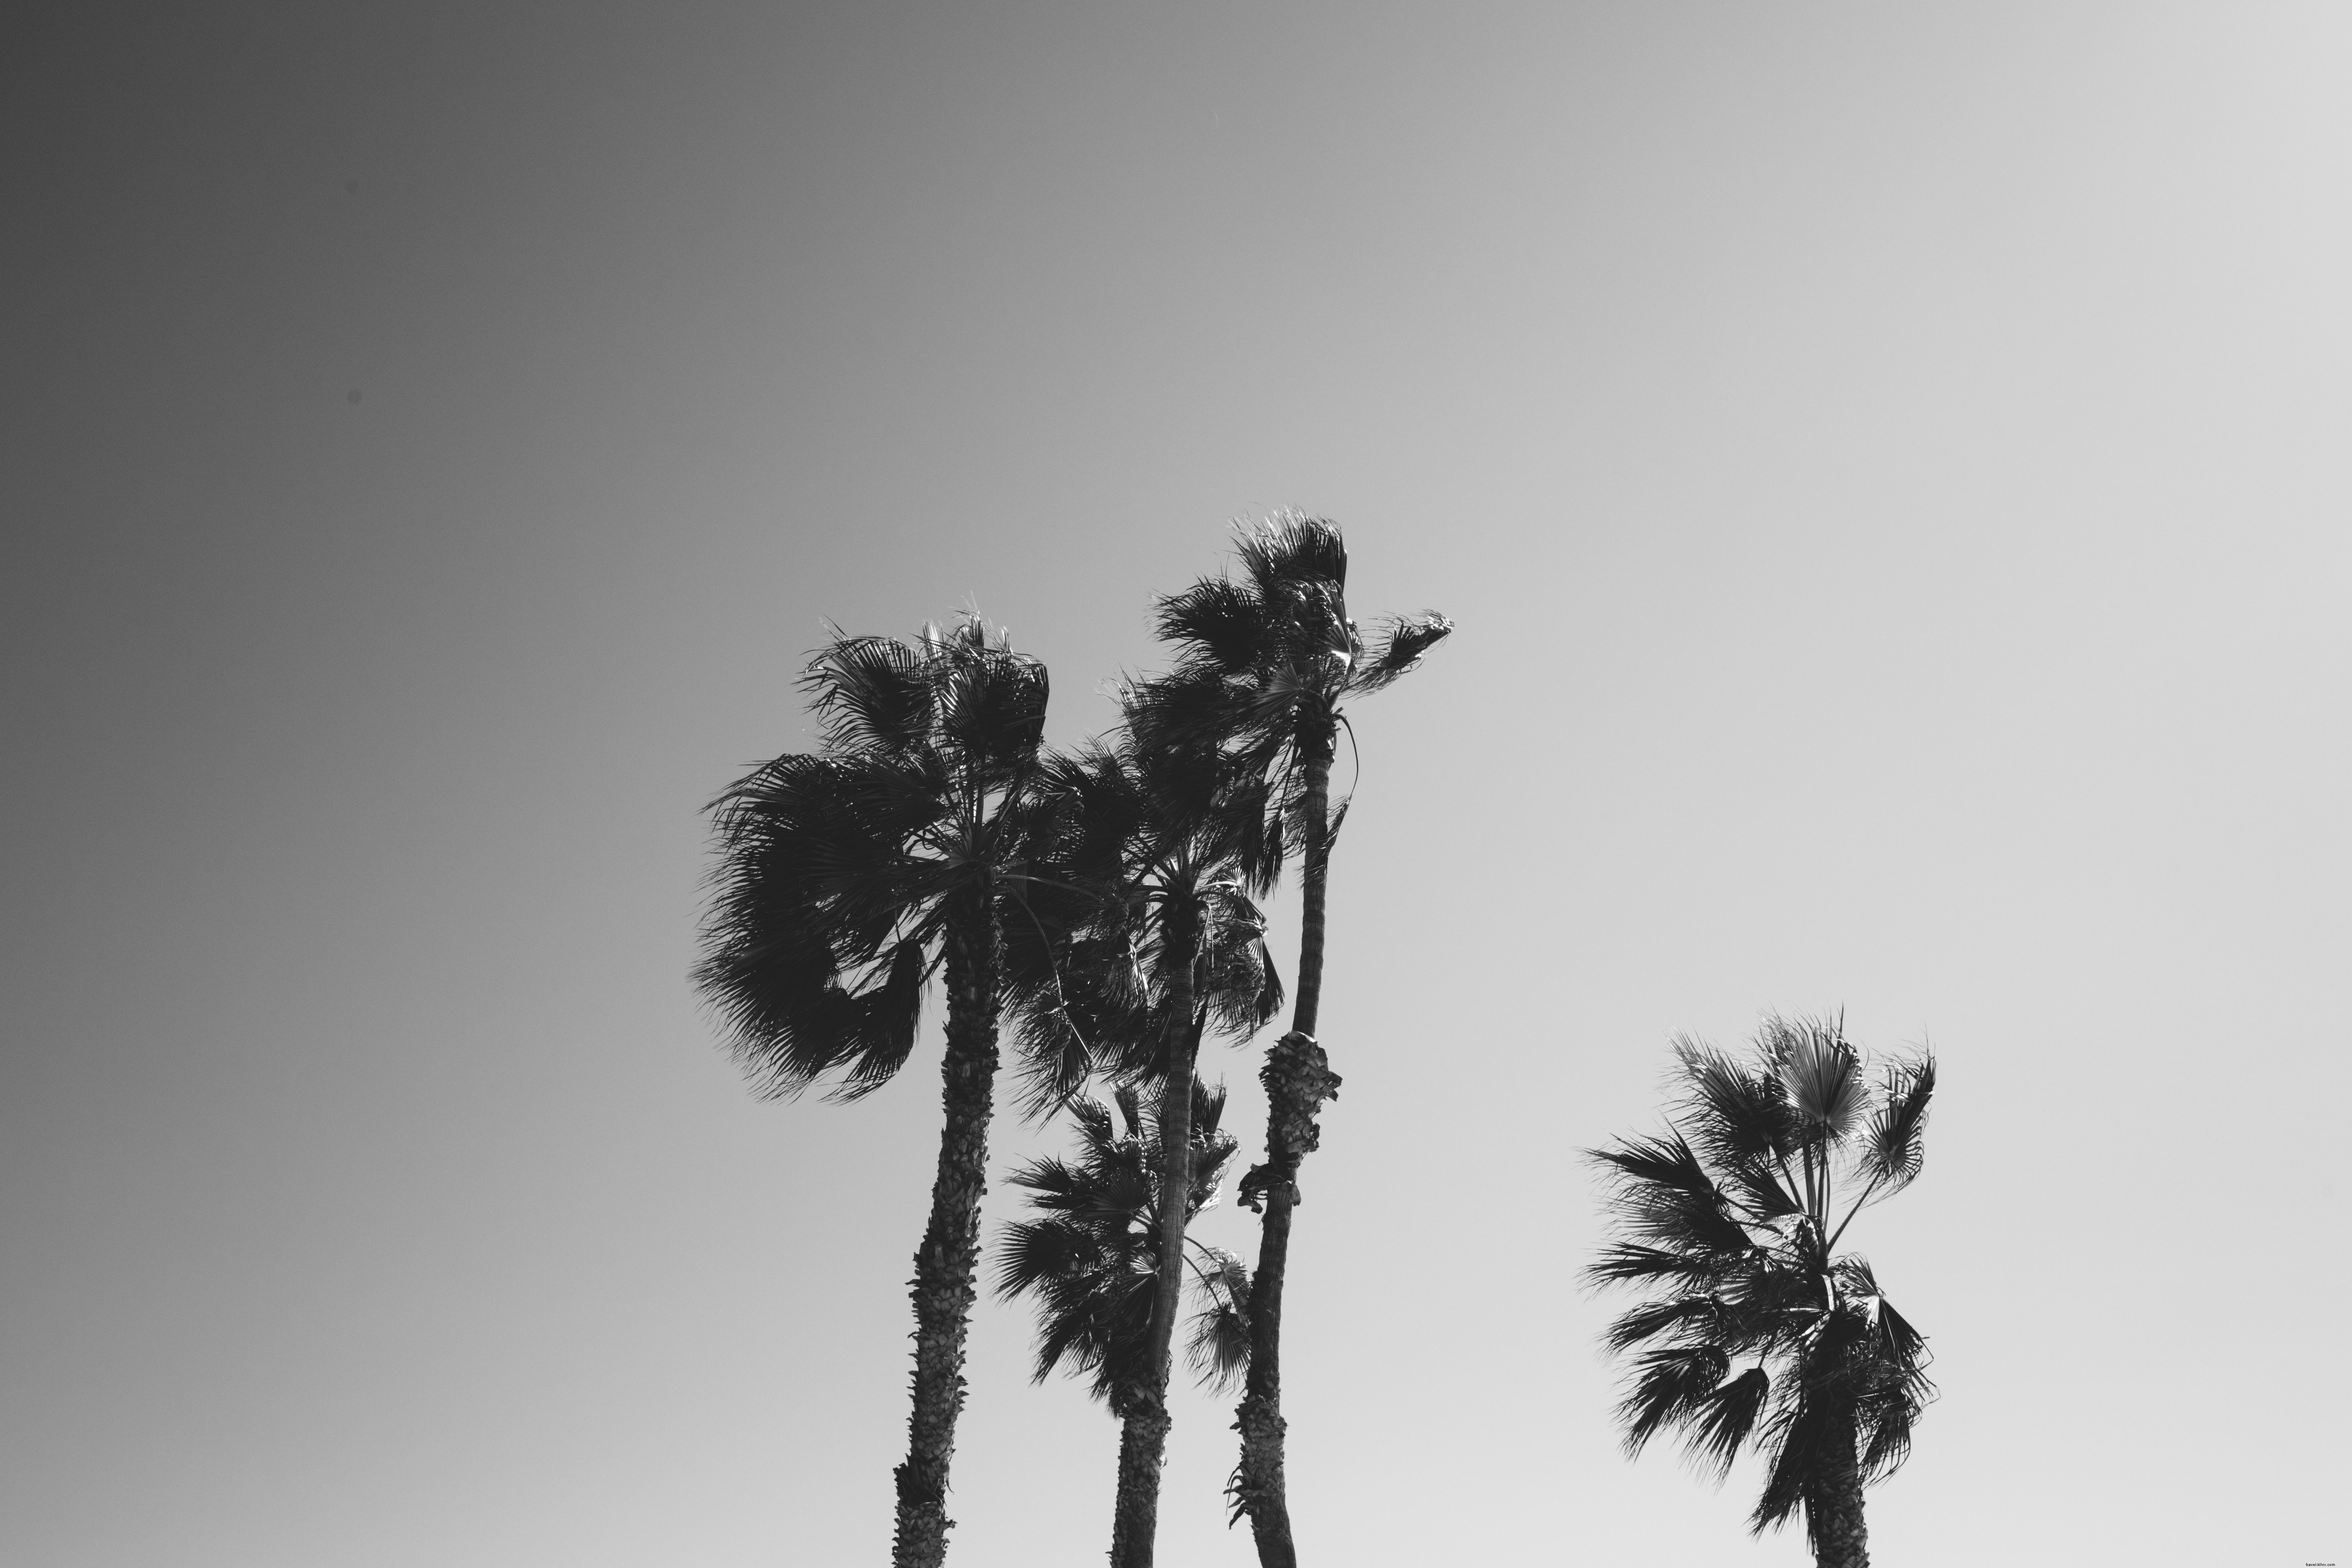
column 949, row 1256
column 1297, row 1079
column 1136, row 1526
column 1135, row 1521
column 1834, row 1509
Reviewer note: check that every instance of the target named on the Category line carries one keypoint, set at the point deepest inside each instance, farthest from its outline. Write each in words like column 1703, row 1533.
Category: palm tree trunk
column 1136, row 1527
column 949, row 1256
column 1135, row 1519
column 1833, row 1508
column 1297, row 1079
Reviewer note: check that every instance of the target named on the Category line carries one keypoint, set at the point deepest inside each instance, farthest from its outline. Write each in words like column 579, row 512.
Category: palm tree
column 1266, row 667
column 844, row 881
column 1757, row 1326
column 1093, row 1263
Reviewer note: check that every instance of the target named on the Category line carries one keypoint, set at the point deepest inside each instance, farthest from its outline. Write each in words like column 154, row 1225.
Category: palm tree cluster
column 1100, row 911
column 1755, row 1329
column 1103, row 907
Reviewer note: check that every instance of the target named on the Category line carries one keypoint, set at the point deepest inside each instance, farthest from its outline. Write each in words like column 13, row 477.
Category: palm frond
column 1208, row 1111
column 1082, row 1014
column 1255, row 839
column 1055, row 1062
column 791, row 1022
column 1726, row 1419
column 1687, row 1319
column 870, row 693
column 1098, row 1135
column 1662, row 1193
column 1624, row 1263
column 1339, row 818
column 884, row 1020
column 1196, row 704
column 1888, row 1441
column 1399, row 651
column 1805, row 1441
column 1757, row 1188
column 1854, row 1276
column 1898, row 1393
column 1821, row 1073
column 1898, row 1342
column 1031, row 1251
column 1734, row 1114
column 1290, row 552
column 1894, row 1142
column 1218, row 1349
column 1668, row 1387
column 1240, row 986
column 1221, row 623
column 1664, row 1162
column 992, row 708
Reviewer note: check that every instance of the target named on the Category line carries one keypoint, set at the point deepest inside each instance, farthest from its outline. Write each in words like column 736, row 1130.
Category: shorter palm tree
column 1756, row 1328
column 1147, row 938
column 1092, row 1262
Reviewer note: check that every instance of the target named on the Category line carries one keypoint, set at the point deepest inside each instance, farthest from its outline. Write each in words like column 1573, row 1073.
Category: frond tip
column 1400, row 649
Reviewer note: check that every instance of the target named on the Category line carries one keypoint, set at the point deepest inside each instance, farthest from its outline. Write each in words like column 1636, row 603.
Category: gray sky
column 1888, row 466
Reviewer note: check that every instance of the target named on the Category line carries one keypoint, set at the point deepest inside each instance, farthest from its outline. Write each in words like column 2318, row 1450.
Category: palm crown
column 838, row 872
column 1267, row 662
column 1758, row 1329
column 1093, row 1257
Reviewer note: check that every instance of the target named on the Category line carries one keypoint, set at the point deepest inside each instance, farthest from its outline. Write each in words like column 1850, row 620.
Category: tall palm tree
column 1758, row 1328
column 1168, row 945
column 844, row 881
column 1266, row 665
column 1092, row 1262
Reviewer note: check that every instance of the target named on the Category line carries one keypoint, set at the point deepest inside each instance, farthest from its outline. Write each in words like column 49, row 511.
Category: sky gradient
column 1889, row 467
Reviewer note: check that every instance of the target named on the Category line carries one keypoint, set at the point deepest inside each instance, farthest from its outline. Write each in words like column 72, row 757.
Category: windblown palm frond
column 1894, row 1146
column 1759, row 1333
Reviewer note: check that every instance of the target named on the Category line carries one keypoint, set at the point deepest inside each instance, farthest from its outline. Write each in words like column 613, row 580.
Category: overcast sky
column 1889, row 465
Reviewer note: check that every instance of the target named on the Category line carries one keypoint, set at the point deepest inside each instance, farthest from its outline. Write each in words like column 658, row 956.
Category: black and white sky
column 1889, row 464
